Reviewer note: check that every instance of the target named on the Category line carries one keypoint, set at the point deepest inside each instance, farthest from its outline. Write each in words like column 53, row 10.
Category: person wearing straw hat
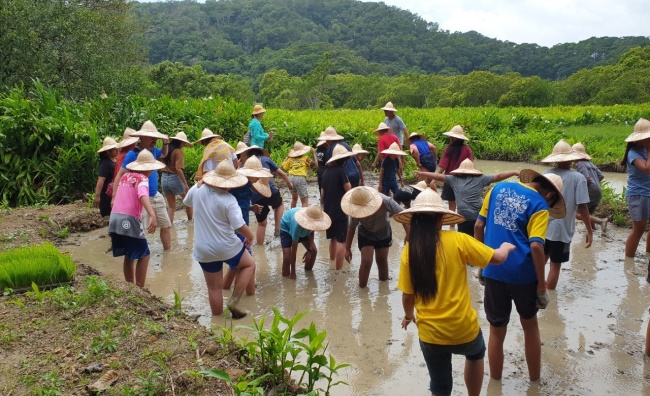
column 391, row 170
column 435, row 292
column 594, row 176
column 335, row 185
column 127, row 144
column 321, row 151
column 455, row 153
column 297, row 165
column 352, row 168
column 242, row 151
column 218, row 217
column 468, row 183
column 149, row 135
column 370, row 211
column 407, row 194
column 518, row 213
column 173, row 178
column 104, row 186
column 359, row 152
column 637, row 194
column 255, row 129
column 298, row 226
column 395, row 123
column 576, row 196
column 424, row 153
column 216, row 150
column 384, row 141
column 125, row 226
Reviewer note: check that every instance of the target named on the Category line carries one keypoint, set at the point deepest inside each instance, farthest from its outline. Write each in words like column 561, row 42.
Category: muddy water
column 593, row 331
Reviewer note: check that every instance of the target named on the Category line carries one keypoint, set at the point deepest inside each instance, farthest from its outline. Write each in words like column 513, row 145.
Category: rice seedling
column 41, row 265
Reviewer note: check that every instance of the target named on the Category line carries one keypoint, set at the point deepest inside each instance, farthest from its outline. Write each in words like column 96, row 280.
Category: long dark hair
column 454, row 150
column 623, row 162
column 173, row 145
column 423, row 245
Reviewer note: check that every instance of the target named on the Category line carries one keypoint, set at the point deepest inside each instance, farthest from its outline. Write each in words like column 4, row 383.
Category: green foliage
column 103, row 343
column 248, row 386
column 39, row 265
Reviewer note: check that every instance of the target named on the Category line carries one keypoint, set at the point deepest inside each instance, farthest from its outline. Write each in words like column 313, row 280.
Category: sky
column 543, row 22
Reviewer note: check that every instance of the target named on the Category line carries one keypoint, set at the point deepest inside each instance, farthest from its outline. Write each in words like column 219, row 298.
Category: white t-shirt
column 216, row 216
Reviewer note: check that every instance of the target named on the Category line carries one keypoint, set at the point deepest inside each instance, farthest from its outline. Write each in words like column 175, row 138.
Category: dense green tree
column 528, row 91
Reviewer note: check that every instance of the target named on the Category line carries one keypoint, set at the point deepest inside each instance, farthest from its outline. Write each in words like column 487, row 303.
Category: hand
column 165, row 141
column 406, row 321
column 401, row 183
column 374, row 165
column 187, row 188
column 199, row 184
column 290, row 186
column 257, row 209
column 542, row 299
column 247, row 243
column 508, row 246
column 96, row 201
column 348, row 255
column 153, row 223
column 416, row 173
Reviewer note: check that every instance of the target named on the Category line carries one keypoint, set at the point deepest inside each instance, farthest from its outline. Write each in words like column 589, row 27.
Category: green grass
column 42, row 265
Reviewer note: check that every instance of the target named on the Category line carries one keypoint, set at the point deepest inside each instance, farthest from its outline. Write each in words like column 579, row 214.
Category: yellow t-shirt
column 449, row 318
column 297, row 166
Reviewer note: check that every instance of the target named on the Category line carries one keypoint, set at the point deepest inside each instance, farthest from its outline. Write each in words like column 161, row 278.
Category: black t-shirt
column 106, row 169
column 320, row 156
column 333, row 180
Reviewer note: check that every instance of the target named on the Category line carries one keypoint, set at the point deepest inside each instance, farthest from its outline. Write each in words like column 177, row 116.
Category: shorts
column 438, row 360
column 338, row 230
column 275, row 200
column 558, row 251
column 132, row 248
column 428, row 162
column 159, row 205
column 498, row 300
column 404, row 197
column 172, row 184
column 388, row 188
column 639, row 207
column 299, row 185
column 286, row 241
column 217, row 266
column 448, row 193
column 467, row 227
column 384, row 243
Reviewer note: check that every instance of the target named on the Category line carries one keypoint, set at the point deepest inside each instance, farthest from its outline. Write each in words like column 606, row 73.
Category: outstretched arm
column 431, row 175
column 504, row 175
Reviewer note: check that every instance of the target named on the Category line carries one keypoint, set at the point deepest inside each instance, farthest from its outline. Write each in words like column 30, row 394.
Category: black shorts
column 467, row 227
column 274, row 201
column 448, row 193
column 499, row 297
column 558, row 251
column 338, row 230
column 384, row 243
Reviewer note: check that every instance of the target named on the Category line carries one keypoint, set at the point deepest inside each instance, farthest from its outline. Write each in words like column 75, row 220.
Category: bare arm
column 374, row 163
column 539, row 260
column 434, row 150
column 120, row 173
column 153, row 223
column 284, row 177
column 479, row 231
column 348, row 243
column 381, row 178
column 416, row 155
column 165, row 148
column 501, row 254
column 98, row 190
column 504, row 175
column 347, row 186
column 247, row 233
column 586, row 218
column 408, row 303
column 642, row 165
column 431, row 175
column 361, row 180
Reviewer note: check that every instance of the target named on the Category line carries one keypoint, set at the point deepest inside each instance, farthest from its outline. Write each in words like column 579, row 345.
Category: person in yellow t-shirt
column 297, row 165
column 437, row 290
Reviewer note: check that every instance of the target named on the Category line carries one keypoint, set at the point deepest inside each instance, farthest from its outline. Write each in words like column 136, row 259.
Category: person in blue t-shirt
column 298, row 226
column 391, row 170
column 352, row 167
column 518, row 213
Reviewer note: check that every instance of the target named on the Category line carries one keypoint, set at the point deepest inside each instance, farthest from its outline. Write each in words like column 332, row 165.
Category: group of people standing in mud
column 510, row 233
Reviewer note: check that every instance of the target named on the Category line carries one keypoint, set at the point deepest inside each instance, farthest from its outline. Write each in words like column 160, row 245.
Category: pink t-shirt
column 132, row 187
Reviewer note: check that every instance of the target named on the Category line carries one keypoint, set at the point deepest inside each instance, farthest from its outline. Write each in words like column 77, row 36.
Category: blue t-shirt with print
column 638, row 182
column 289, row 225
column 153, row 177
column 272, row 167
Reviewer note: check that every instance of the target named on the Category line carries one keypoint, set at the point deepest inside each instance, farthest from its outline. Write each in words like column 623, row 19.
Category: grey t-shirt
column 574, row 191
column 376, row 227
column 469, row 193
column 588, row 169
column 397, row 128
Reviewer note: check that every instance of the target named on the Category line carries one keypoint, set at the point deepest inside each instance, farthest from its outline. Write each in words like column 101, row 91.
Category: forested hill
column 250, row 37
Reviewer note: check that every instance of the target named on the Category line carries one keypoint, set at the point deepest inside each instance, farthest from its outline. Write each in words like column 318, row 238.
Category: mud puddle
column 592, row 332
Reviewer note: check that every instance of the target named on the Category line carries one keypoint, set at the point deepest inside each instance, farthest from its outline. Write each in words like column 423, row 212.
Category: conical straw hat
column 382, row 127
column 330, row 134
column 312, row 218
column 393, row 149
column 149, row 130
column 428, row 201
column 339, row 152
column 457, row 132
column 108, row 144
column 562, row 152
column 243, row 147
column 467, row 168
column 420, row 186
column 253, row 168
column 641, row 131
column 224, row 176
column 389, row 107
column 127, row 139
column 262, row 186
column 257, row 109
column 183, row 138
column 361, row 202
column 207, row 134
column 145, row 162
column 357, row 149
column 558, row 210
column 299, row 149
column 414, row 134
column 580, row 148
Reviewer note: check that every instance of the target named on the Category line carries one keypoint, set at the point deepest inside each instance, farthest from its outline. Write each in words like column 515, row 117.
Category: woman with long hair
column 104, row 187
column 433, row 280
column 173, row 179
column 455, row 153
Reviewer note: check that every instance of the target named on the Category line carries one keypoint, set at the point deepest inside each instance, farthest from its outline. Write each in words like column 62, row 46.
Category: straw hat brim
column 467, row 171
column 186, row 143
column 258, row 112
column 155, row 135
column 449, row 217
column 208, row 137
column 234, row 181
column 263, row 189
column 393, row 152
column 553, row 158
column 415, row 186
column 636, row 136
column 127, row 142
column 586, row 156
column 361, row 151
column 456, row 135
column 383, row 129
column 320, row 143
column 359, row 211
column 559, row 210
column 106, row 148
column 255, row 172
column 340, row 156
column 389, row 109
column 147, row 166
column 331, row 137
column 298, row 153
column 311, row 224
column 237, row 152
column 414, row 134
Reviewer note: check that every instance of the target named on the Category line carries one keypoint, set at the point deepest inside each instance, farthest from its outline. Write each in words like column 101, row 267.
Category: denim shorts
column 438, row 359
column 639, row 206
column 172, row 184
column 388, row 188
column 132, row 248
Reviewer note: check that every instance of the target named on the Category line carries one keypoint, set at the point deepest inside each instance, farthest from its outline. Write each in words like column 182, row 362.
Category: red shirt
column 385, row 141
column 120, row 159
column 448, row 166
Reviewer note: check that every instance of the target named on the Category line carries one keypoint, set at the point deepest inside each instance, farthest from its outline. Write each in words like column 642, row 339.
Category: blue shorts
column 387, row 188
column 438, row 359
column 217, row 266
column 172, row 184
column 286, row 241
column 132, row 248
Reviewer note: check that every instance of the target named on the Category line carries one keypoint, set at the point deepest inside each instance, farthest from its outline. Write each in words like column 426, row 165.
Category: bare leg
column 533, row 347
column 553, row 275
column 294, row 199
column 214, row 281
column 309, row 264
column 245, row 271
column 367, row 253
column 304, row 202
column 141, row 270
column 260, row 233
column 286, row 262
column 166, row 238
column 250, row 289
column 171, row 206
column 647, row 340
column 474, row 370
column 381, row 256
column 279, row 211
column 129, row 270
column 632, row 242
column 332, row 249
column 495, row 350
column 228, row 278
column 340, row 254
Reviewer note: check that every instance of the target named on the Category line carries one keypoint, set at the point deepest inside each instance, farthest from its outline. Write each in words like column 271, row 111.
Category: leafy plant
column 63, row 233
column 38, row 294
column 178, row 301
column 249, row 386
column 103, row 343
